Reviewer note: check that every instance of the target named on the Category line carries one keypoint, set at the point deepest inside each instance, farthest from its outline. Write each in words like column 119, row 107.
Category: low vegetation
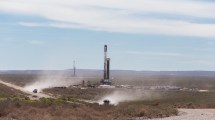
column 185, row 99
column 19, row 108
column 87, row 94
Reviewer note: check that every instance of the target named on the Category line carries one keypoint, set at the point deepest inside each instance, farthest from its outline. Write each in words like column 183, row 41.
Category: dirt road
column 191, row 114
column 31, row 94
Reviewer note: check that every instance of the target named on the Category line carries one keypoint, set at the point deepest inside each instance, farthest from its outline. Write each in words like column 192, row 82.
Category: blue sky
column 141, row 35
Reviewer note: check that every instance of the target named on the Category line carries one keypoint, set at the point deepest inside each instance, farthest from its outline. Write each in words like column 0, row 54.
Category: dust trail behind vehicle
column 39, row 95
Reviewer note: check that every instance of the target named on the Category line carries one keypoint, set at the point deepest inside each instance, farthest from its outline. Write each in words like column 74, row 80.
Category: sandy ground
column 31, row 94
column 190, row 114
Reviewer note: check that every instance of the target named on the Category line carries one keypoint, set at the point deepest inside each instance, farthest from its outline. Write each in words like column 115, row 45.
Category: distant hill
column 94, row 72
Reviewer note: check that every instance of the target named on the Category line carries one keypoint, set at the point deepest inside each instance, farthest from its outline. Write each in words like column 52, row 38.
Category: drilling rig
column 106, row 75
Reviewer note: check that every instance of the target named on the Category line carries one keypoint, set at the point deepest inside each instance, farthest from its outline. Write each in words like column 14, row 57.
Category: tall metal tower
column 106, row 76
column 74, row 69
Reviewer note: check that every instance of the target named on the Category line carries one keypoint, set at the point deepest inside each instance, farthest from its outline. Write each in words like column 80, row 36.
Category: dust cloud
column 128, row 95
column 52, row 80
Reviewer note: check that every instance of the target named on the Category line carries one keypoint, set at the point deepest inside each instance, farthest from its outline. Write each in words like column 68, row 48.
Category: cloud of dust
column 127, row 95
column 52, row 80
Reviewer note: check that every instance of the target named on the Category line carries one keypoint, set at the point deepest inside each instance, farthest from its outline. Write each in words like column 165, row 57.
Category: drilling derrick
column 106, row 77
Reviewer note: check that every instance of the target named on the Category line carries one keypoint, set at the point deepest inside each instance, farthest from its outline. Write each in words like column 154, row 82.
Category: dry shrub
column 140, row 109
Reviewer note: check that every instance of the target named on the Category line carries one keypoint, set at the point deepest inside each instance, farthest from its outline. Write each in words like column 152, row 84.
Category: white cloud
column 153, row 53
column 118, row 15
column 37, row 42
column 31, row 24
column 200, row 62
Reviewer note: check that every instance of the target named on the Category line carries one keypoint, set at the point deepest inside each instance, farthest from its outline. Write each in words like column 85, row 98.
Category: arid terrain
column 83, row 103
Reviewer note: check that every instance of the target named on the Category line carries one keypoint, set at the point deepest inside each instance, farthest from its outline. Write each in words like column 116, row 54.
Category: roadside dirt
column 190, row 114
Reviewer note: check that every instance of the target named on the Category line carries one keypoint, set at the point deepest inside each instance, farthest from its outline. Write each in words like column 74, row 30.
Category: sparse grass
column 24, row 108
column 87, row 94
column 48, row 108
column 142, row 109
column 182, row 99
